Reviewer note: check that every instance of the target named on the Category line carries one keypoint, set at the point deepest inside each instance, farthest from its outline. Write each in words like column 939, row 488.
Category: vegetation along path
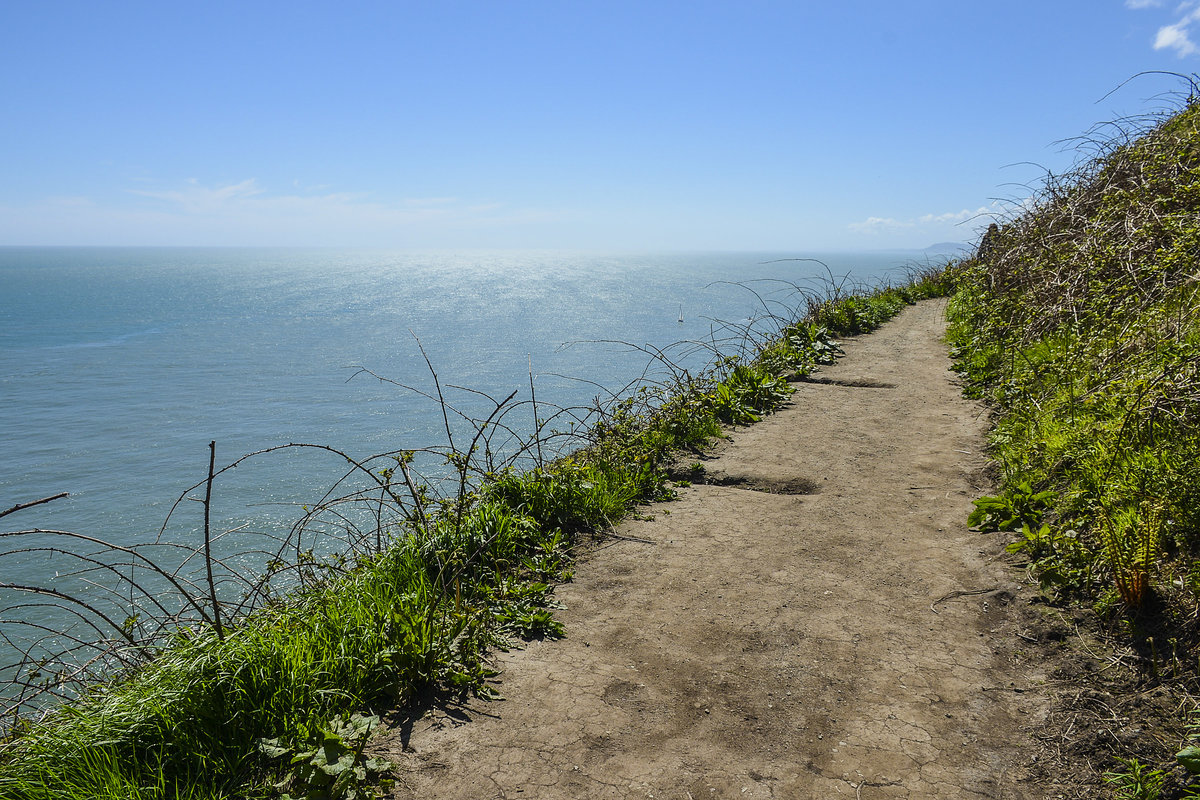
column 811, row 620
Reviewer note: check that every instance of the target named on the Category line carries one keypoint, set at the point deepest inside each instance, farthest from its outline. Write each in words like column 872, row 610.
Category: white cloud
column 249, row 199
column 877, row 225
column 1135, row 4
column 429, row 201
column 72, row 201
column 199, row 199
column 926, row 224
column 246, row 213
column 1176, row 36
column 957, row 216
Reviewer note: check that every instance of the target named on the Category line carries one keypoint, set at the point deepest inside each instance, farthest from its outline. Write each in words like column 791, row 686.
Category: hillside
column 1078, row 322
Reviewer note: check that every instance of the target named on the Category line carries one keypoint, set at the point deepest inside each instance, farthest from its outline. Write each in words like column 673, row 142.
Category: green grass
column 463, row 574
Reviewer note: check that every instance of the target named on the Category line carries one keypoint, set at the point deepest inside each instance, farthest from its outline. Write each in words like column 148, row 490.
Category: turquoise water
column 119, row 366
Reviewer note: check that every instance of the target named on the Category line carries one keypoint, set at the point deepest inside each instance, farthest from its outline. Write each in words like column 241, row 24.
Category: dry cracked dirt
column 814, row 620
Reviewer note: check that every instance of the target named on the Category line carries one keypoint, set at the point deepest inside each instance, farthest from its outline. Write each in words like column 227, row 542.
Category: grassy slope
column 462, row 574
column 1079, row 321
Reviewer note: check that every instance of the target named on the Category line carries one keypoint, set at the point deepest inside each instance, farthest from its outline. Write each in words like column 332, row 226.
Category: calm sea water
column 118, row 366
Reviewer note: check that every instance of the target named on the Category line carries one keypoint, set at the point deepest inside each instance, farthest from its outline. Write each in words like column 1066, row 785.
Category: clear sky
column 445, row 124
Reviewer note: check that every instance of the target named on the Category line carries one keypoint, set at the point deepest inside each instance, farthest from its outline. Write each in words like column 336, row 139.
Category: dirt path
column 840, row 634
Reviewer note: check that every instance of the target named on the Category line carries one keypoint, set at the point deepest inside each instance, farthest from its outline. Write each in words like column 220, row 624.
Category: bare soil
column 813, row 621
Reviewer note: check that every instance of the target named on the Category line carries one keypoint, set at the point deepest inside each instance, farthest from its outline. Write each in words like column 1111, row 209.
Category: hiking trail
column 813, row 621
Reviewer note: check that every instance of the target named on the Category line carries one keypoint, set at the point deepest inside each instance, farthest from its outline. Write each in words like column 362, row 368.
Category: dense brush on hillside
column 1078, row 320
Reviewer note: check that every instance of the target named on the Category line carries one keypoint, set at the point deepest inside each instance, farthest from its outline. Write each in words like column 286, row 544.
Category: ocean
column 118, row 366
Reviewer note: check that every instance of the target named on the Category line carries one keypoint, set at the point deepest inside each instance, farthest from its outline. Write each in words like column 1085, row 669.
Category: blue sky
column 697, row 125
